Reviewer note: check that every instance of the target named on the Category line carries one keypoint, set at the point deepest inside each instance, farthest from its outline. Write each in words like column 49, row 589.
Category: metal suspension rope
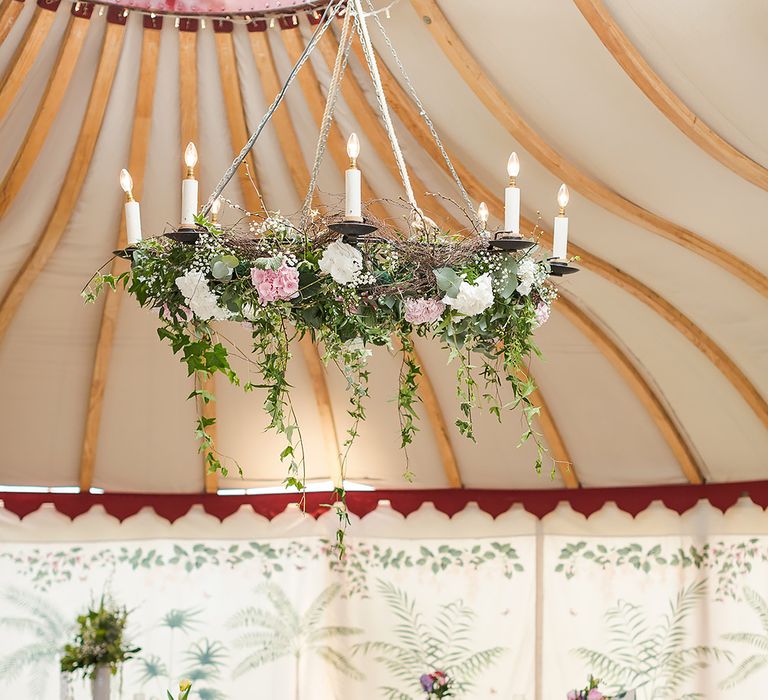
column 342, row 55
column 330, row 12
column 370, row 59
column 423, row 112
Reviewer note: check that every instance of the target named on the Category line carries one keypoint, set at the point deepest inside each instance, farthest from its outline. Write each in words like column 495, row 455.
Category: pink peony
column 423, row 310
column 541, row 314
column 594, row 694
column 276, row 285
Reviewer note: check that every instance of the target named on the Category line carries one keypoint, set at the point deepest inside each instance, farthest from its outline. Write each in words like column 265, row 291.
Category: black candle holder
column 559, row 268
column 508, row 242
column 126, row 253
column 353, row 232
column 186, row 234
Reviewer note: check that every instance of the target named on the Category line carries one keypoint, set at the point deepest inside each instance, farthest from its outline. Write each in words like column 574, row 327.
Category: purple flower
column 426, row 682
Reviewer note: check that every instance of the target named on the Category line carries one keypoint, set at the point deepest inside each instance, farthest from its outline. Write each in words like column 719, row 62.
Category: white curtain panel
column 674, row 606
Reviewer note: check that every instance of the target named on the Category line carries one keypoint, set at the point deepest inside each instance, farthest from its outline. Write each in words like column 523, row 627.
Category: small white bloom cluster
column 275, row 224
column 473, row 299
column 200, row 299
column 530, row 275
column 207, row 247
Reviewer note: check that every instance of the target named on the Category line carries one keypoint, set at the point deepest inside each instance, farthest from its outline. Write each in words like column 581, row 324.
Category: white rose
column 342, row 262
column 473, row 299
column 526, row 273
column 200, row 299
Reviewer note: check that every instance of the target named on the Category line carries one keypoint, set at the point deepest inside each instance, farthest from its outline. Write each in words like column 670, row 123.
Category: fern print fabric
column 507, row 608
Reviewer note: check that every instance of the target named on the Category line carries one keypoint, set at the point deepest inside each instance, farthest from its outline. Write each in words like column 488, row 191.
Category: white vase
column 100, row 683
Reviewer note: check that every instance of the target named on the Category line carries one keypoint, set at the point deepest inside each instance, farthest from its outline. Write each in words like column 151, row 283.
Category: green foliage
column 441, row 643
column 757, row 640
column 99, row 641
column 345, row 319
column 654, row 659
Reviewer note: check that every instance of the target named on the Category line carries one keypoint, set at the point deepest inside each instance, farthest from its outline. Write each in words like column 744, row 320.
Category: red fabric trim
column 632, row 500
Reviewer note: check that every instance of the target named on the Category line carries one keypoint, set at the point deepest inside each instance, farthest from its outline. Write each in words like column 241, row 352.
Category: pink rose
column 594, row 694
column 573, row 695
column 423, row 310
column 276, row 285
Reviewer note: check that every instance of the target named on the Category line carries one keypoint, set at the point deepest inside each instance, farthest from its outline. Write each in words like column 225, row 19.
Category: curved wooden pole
column 137, row 160
column 189, row 132
column 73, row 180
column 337, row 148
column 658, row 412
column 658, row 92
column 292, row 155
column 406, row 111
column 8, row 16
column 477, row 79
column 555, row 442
column 310, row 86
column 25, row 58
column 233, row 102
column 46, row 112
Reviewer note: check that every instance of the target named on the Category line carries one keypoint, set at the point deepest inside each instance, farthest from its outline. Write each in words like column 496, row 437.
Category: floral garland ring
column 284, row 283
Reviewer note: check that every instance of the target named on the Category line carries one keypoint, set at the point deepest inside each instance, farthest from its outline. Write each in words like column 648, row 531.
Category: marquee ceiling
column 655, row 361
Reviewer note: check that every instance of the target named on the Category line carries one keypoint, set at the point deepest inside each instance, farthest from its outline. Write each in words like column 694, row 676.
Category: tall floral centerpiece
column 592, row 692
column 99, row 648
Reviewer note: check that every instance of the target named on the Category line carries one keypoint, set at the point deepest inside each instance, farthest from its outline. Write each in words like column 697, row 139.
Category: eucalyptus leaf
column 448, row 280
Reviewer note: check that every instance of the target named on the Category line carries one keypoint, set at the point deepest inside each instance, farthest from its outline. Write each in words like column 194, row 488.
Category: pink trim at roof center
column 217, row 7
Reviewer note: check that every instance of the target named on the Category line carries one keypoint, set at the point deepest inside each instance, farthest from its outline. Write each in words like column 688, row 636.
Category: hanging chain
column 342, row 55
column 423, row 112
column 330, row 12
column 370, row 58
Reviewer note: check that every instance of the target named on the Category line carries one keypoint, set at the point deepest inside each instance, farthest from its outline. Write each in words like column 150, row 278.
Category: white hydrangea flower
column 341, row 261
column 473, row 299
column 527, row 273
column 200, row 299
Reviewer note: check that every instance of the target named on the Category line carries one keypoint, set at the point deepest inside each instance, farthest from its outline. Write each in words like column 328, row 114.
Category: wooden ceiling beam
column 137, row 161
column 73, row 180
column 188, row 91
column 408, row 114
column 9, row 13
column 30, row 148
column 337, row 148
column 677, row 442
column 477, row 79
column 310, row 86
column 293, row 157
column 664, row 98
column 238, row 131
column 26, row 55
column 558, row 450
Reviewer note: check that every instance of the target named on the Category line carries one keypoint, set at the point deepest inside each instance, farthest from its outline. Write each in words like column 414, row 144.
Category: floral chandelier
column 349, row 282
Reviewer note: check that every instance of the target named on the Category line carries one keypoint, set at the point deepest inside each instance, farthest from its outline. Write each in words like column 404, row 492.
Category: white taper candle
column 512, row 197
column 133, row 222
column 512, row 210
column 353, row 188
column 560, row 244
column 189, row 187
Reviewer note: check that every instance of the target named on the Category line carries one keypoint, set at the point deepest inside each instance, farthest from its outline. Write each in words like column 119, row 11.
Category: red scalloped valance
column 632, row 500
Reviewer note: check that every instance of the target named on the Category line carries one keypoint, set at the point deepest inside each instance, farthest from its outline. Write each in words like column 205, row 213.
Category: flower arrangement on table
column 591, row 692
column 436, row 684
column 99, row 642
column 285, row 283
